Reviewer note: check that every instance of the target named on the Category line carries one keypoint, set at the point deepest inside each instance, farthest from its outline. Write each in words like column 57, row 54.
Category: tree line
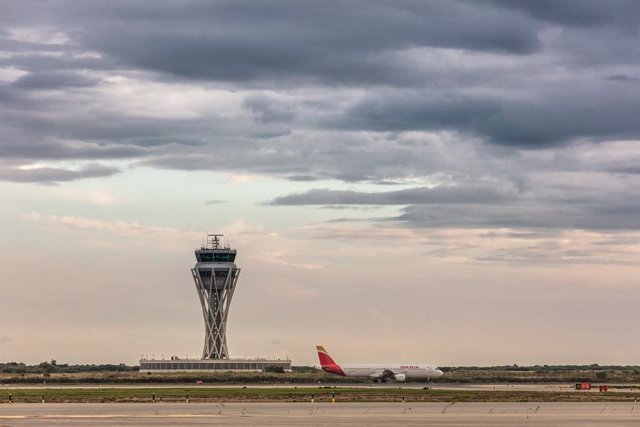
column 52, row 367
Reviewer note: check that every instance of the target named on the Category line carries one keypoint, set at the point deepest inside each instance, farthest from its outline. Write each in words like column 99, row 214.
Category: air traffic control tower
column 215, row 276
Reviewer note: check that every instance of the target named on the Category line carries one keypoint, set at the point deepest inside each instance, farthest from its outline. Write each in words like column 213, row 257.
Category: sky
column 454, row 182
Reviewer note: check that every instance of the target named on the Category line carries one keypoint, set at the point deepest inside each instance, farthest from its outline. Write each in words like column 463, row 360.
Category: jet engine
column 400, row 378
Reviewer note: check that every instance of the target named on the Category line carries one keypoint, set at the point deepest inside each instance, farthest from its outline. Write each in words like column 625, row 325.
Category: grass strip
column 320, row 394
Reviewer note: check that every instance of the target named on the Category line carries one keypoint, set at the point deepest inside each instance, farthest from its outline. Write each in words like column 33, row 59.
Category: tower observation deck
column 215, row 276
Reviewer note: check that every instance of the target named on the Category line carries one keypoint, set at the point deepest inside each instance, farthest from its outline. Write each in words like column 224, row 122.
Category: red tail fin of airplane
column 324, row 357
column 327, row 363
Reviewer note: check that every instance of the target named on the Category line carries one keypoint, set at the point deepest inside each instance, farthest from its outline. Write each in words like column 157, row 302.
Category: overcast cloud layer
column 482, row 138
column 465, row 95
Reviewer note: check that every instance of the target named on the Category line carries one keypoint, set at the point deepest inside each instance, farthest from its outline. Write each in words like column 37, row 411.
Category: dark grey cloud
column 335, row 41
column 302, row 178
column 632, row 169
column 268, row 109
column 623, row 78
column 556, row 205
column 19, row 146
column 551, row 118
column 423, row 195
column 47, row 175
column 579, row 12
column 41, row 60
column 299, row 157
column 53, row 80
column 546, row 214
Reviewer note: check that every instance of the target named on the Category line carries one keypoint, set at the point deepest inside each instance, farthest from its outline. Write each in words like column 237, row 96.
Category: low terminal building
column 213, row 365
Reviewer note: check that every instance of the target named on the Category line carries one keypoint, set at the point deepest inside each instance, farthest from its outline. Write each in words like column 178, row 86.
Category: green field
column 303, row 394
column 477, row 375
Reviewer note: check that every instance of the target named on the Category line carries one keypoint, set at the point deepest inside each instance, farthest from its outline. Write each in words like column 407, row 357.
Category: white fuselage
column 374, row 370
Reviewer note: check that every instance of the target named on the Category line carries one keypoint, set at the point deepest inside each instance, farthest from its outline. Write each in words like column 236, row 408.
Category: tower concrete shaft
column 215, row 276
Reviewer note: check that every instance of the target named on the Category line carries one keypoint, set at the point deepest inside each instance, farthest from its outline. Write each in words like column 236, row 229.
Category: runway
column 355, row 414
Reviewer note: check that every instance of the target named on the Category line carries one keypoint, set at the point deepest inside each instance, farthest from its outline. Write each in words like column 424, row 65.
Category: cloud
column 100, row 232
column 547, row 119
column 535, row 214
column 33, row 216
column 269, row 109
column 580, row 12
column 423, row 195
column 116, row 227
column 479, row 245
column 623, row 78
column 53, row 80
column 545, row 200
column 284, row 258
column 48, row 175
column 337, row 42
column 138, row 81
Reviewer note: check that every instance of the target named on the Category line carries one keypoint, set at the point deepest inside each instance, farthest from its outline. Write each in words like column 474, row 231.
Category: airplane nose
column 439, row 372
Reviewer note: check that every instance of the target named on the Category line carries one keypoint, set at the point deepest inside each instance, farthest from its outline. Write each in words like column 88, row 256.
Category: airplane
column 379, row 372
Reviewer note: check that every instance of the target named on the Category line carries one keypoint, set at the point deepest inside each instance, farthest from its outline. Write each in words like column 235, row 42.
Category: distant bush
column 303, row 369
column 274, row 369
column 53, row 367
